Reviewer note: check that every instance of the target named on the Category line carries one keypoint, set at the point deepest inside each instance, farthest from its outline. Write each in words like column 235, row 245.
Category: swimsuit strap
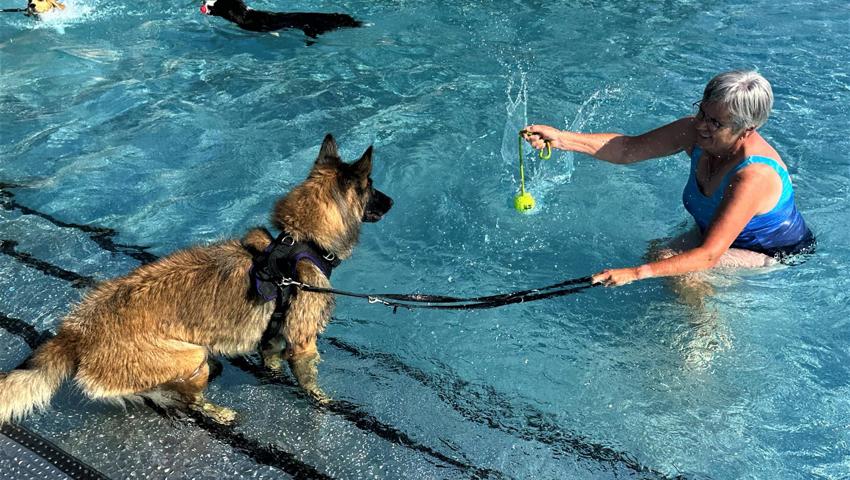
column 787, row 189
column 783, row 174
column 784, row 177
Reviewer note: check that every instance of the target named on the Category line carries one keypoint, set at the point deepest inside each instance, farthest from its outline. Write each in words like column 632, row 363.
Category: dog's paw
column 319, row 395
column 220, row 415
column 273, row 361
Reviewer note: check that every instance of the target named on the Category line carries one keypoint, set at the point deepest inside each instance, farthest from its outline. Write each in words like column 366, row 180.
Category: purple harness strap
column 315, row 261
column 278, row 261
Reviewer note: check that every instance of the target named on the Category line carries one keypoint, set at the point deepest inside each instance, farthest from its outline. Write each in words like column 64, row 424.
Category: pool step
column 25, row 455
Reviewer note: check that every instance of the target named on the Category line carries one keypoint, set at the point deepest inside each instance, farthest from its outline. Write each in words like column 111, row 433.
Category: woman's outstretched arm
column 615, row 147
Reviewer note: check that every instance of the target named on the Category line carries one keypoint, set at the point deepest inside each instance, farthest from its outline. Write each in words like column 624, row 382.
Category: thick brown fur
column 150, row 333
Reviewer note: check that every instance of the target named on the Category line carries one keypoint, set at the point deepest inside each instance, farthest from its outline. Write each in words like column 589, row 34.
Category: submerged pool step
column 26, row 455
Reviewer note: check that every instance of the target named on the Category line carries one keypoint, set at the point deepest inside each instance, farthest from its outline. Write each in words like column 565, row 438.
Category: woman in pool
column 739, row 191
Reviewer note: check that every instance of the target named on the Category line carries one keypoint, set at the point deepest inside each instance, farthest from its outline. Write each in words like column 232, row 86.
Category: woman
column 739, row 191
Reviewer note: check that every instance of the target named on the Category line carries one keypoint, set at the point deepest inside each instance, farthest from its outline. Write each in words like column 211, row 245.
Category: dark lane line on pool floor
column 99, row 235
column 8, row 247
column 23, row 330
column 457, row 394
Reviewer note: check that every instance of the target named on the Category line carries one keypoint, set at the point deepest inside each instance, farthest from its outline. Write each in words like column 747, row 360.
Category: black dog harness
column 276, row 264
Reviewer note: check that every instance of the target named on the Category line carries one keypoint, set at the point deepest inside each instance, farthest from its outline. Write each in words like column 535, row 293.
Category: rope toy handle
column 521, row 166
column 547, row 148
column 545, row 153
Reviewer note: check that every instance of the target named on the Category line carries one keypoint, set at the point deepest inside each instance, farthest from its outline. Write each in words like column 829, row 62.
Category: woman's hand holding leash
column 618, row 277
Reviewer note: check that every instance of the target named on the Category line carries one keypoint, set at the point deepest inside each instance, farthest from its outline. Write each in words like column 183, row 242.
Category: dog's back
column 198, row 295
column 133, row 333
column 312, row 24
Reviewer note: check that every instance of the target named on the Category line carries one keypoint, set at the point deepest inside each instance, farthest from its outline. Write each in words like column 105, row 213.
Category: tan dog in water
column 38, row 7
column 150, row 333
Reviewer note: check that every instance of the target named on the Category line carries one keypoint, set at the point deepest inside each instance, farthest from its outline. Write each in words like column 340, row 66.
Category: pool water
column 129, row 130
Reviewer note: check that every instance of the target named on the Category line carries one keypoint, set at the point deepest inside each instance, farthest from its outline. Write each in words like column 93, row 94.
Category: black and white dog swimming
column 312, row 24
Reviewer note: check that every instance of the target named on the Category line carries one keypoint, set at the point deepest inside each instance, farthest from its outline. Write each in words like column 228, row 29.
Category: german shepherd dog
column 312, row 24
column 151, row 333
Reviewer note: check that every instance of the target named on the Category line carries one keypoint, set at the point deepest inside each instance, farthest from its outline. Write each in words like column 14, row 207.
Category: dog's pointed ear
column 328, row 154
column 363, row 167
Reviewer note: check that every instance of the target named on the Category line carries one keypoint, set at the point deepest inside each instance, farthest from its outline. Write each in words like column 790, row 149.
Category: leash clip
column 378, row 300
column 286, row 282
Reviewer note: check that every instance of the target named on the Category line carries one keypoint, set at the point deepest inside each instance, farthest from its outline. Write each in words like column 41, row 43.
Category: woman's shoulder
column 761, row 165
column 758, row 148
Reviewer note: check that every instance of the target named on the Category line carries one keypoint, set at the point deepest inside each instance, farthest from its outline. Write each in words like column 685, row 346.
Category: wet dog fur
column 150, row 333
column 39, row 7
column 312, row 24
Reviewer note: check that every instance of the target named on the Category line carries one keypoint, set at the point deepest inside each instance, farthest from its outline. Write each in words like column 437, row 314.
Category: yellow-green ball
column 523, row 202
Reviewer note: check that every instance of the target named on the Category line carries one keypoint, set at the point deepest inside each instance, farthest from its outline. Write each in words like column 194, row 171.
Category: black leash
column 13, row 10
column 273, row 275
column 440, row 302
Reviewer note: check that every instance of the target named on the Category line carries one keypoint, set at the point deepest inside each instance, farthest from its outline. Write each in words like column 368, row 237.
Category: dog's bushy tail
column 32, row 387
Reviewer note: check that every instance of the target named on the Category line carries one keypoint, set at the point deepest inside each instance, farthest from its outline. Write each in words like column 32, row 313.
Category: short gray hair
column 746, row 94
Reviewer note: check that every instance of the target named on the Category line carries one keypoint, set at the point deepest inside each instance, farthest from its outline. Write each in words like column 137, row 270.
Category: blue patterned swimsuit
column 779, row 233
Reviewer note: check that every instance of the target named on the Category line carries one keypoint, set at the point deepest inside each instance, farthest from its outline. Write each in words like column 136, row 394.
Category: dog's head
column 333, row 202
column 38, row 7
column 219, row 7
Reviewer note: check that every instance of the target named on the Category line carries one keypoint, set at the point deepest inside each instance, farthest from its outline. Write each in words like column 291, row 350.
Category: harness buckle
column 284, row 239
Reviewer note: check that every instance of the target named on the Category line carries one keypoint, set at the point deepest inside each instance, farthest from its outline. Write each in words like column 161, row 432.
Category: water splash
column 516, row 111
column 546, row 176
column 586, row 112
column 74, row 12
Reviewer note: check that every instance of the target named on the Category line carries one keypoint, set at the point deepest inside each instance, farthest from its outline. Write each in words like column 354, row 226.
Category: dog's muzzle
column 379, row 204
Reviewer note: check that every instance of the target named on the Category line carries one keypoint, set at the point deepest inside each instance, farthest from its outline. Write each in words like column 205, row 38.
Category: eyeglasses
column 700, row 114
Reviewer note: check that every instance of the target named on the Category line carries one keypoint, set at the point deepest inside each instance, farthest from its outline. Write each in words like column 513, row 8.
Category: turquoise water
column 163, row 128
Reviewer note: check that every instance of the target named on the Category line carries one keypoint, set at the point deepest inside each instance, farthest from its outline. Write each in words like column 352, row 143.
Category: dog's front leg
column 304, row 361
column 302, row 356
column 295, row 339
column 272, row 347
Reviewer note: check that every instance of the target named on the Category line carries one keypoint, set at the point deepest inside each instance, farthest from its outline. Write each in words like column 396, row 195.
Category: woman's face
column 715, row 132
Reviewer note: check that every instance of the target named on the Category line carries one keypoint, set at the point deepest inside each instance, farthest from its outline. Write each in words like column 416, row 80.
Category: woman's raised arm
column 615, row 147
